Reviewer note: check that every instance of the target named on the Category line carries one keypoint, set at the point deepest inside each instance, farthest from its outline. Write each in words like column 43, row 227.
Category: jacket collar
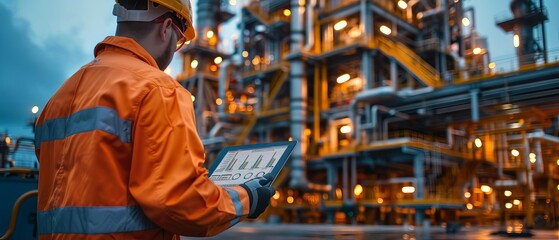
column 124, row 45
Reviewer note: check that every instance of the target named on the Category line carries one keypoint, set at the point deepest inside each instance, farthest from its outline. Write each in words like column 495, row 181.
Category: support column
column 539, row 158
column 419, row 171
column 475, row 104
column 298, row 112
column 332, row 171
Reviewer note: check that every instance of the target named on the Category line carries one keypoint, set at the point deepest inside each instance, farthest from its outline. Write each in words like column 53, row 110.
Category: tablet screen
column 241, row 165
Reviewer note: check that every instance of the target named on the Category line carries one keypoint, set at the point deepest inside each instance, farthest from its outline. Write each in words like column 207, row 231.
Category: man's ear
column 163, row 29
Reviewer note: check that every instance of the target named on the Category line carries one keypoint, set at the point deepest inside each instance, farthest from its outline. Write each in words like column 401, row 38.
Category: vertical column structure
column 298, row 92
column 367, row 68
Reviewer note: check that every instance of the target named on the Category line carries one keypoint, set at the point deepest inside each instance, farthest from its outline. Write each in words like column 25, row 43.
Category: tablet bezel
column 281, row 161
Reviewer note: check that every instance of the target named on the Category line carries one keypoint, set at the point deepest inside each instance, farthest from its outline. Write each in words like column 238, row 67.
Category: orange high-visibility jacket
column 120, row 156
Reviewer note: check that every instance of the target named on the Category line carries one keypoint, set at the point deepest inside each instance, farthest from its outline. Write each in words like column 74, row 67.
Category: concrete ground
column 324, row 231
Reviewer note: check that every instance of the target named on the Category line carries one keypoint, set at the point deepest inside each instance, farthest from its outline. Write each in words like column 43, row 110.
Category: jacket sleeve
column 167, row 178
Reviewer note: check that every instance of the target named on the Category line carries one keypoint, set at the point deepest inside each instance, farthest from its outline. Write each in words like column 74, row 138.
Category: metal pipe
column 310, row 24
column 15, row 211
column 475, row 104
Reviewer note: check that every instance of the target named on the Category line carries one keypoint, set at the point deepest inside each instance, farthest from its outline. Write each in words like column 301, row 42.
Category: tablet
column 237, row 164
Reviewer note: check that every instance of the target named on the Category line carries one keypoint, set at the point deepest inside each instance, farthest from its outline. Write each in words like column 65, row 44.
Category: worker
column 117, row 143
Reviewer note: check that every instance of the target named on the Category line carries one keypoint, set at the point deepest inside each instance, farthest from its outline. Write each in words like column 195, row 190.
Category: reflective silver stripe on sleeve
column 93, row 220
column 238, row 205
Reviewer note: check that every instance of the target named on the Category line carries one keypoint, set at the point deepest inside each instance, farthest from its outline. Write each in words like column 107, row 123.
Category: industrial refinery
column 400, row 113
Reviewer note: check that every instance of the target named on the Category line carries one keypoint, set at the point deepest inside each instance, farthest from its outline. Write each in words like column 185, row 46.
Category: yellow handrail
column 15, row 211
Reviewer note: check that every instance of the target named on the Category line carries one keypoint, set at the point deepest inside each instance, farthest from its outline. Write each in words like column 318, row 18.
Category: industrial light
column 467, row 194
column 343, row 78
column 8, row 140
column 307, row 132
column 492, row 65
column 232, row 2
column 213, row 68
column 193, row 98
column 516, row 40
column 345, row 129
column 287, row 12
column 516, row 202
column 218, row 101
column 557, row 162
column 277, row 195
column 380, row 200
column 210, row 34
column 218, row 60
column 35, row 109
column 466, row 22
column 532, row 157
column 419, row 15
column 385, row 30
column 194, row 64
column 508, row 205
column 358, row 189
column 408, row 189
column 290, row 199
column 515, row 152
column 338, row 193
column 340, row 25
column 245, row 54
column 477, row 51
column 485, row 189
column 508, row 193
column 290, row 139
column 478, row 142
column 402, row 4
column 469, row 206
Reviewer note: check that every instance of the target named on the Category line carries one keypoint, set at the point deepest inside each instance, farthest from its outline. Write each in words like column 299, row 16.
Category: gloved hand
column 260, row 191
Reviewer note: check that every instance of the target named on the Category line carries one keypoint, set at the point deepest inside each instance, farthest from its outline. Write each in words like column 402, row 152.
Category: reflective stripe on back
column 97, row 118
column 93, row 220
column 238, row 205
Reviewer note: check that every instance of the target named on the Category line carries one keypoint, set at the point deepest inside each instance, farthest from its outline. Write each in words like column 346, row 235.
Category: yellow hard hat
column 182, row 8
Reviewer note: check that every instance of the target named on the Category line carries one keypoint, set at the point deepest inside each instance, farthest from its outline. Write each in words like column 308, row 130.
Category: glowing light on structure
column 35, row 110
column 402, row 4
column 193, row 98
column 232, row 2
column 8, row 140
column 532, row 157
column 557, row 162
column 508, row 193
column 290, row 199
column 218, row 101
column 218, row 60
column 466, row 22
column 486, row 189
column 419, row 15
column 340, row 25
column 358, row 189
column 492, row 65
column 345, row 129
column 277, row 195
column 343, row 78
column 245, row 54
column 516, row 202
column 478, row 142
column 287, row 12
column 338, row 193
column 210, row 34
column 408, row 189
column 194, row 64
column 515, row 152
column 385, row 30
column 477, row 51
column 516, row 40
column 508, row 205
column 380, row 200
column 467, row 194
column 469, row 206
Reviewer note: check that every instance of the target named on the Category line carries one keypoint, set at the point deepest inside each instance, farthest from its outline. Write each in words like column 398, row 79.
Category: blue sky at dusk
column 44, row 42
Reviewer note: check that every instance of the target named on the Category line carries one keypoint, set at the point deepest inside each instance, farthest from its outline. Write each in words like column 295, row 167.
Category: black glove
column 259, row 192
